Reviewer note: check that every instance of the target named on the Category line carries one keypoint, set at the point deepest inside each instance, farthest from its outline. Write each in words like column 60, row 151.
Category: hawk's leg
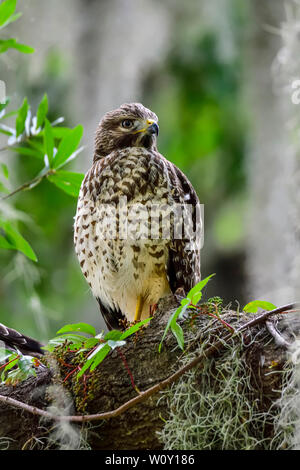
column 139, row 308
column 152, row 309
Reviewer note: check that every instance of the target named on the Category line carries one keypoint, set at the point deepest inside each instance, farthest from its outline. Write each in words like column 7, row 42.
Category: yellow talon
column 139, row 308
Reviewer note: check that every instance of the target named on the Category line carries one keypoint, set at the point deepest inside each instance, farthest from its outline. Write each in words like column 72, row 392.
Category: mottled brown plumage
column 130, row 270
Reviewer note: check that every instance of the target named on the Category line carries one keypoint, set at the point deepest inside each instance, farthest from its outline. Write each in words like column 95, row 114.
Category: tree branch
column 209, row 352
column 279, row 339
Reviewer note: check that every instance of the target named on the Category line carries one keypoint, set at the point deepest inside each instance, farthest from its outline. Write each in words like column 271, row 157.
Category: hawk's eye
column 127, row 123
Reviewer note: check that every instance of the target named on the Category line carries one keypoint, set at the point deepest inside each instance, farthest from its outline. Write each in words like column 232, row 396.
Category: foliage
column 252, row 307
column 190, row 302
column 211, row 308
column 7, row 16
column 17, row 366
column 91, row 350
column 54, row 146
column 11, row 239
column 95, row 348
column 40, row 150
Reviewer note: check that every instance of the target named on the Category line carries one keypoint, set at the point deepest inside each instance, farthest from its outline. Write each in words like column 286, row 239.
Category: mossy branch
column 210, row 351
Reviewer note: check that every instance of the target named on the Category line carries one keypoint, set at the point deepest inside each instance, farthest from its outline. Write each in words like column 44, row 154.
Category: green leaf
column 17, row 242
column 21, row 117
column 25, row 363
column 14, row 359
column 42, row 111
column 90, row 343
column 7, row 9
column 134, row 328
column 59, row 340
column 83, row 327
column 6, row 130
column 8, row 115
column 11, row 19
column 252, row 307
column 12, row 43
column 73, row 338
column 95, row 358
column 29, row 152
column 100, row 356
column 4, row 170
column 195, row 294
column 19, row 368
column 3, row 189
column 59, row 132
column 67, row 146
column 178, row 333
column 5, row 245
column 113, row 335
column 48, row 142
column 172, row 322
column 5, row 354
column 68, row 181
column 35, row 143
column 23, row 48
column 192, row 297
column 3, row 105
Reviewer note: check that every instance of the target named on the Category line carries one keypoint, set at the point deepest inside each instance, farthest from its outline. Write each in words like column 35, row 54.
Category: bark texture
column 109, row 386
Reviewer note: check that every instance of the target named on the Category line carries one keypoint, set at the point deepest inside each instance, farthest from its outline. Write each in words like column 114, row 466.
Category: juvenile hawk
column 125, row 202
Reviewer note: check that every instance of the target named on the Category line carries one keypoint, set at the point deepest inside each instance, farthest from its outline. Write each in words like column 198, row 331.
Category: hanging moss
column 223, row 405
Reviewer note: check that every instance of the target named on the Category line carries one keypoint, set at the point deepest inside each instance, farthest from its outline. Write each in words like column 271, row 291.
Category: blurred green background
column 183, row 60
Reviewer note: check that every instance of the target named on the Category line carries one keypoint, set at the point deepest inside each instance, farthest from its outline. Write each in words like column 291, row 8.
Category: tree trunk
column 110, row 384
column 271, row 66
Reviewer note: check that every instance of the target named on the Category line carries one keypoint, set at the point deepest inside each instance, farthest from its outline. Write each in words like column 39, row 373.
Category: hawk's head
column 131, row 125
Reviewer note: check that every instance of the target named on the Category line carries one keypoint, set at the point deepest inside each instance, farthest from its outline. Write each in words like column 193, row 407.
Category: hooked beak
column 152, row 127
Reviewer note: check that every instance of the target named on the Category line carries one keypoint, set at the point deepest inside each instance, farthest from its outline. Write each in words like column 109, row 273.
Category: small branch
column 279, row 339
column 34, row 182
column 209, row 352
column 264, row 316
column 9, row 362
column 22, row 187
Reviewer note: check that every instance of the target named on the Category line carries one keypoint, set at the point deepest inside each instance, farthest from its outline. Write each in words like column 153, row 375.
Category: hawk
column 131, row 184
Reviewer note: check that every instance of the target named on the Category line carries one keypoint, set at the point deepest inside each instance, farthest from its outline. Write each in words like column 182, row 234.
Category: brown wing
column 113, row 317
column 15, row 340
column 184, row 255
